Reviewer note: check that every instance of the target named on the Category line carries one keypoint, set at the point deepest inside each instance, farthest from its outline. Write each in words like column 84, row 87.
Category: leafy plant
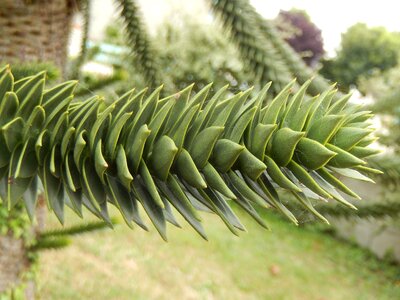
column 193, row 152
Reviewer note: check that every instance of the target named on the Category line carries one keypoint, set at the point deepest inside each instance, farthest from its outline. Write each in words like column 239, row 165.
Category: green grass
column 287, row 263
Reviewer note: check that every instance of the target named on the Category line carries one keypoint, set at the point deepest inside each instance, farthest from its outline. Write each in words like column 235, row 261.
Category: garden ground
column 287, row 263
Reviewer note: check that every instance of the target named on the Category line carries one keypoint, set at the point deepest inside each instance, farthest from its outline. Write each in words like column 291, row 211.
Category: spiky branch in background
column 389, row 164
column 52, row 243
column 60, row 238
column 382, row 209
column 146, row 56
column 76, row 229
column 376, row 210
column 77, row 64
column 258, row 52
column 191, row 152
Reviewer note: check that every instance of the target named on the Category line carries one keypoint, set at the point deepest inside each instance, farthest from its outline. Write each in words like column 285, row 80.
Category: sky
column 332, row 17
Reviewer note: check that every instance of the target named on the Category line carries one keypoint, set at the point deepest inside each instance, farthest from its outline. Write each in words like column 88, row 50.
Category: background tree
column 362, row 51
column 301, row 34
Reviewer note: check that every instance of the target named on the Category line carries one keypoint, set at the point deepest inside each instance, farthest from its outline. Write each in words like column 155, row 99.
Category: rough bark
column 33, row 30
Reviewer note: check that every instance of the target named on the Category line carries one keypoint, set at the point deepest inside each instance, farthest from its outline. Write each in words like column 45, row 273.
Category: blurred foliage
column 15, row 222
column 190, row 53
column 103, row 85
column 195, row 52
column 113, row 34
column 363, row 50
column 384, row 88
column 301, row 34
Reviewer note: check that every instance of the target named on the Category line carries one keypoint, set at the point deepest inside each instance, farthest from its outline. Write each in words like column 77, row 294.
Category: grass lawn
column 287, row 263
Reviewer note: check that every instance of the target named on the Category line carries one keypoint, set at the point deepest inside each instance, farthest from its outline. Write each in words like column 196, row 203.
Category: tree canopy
column 363, row 49
column 302, row 34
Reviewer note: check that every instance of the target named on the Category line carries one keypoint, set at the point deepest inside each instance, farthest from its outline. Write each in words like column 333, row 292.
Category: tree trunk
column 13, row 261
column 35, row 30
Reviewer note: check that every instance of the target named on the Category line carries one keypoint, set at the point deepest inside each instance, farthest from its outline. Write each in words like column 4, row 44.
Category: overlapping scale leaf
column 190, row 152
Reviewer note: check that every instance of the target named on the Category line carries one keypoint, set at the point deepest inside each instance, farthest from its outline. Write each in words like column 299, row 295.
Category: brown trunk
column 13, row 261
column 35, row 30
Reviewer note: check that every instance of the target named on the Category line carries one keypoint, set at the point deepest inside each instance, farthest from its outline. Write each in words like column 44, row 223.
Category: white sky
column 332, row 17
